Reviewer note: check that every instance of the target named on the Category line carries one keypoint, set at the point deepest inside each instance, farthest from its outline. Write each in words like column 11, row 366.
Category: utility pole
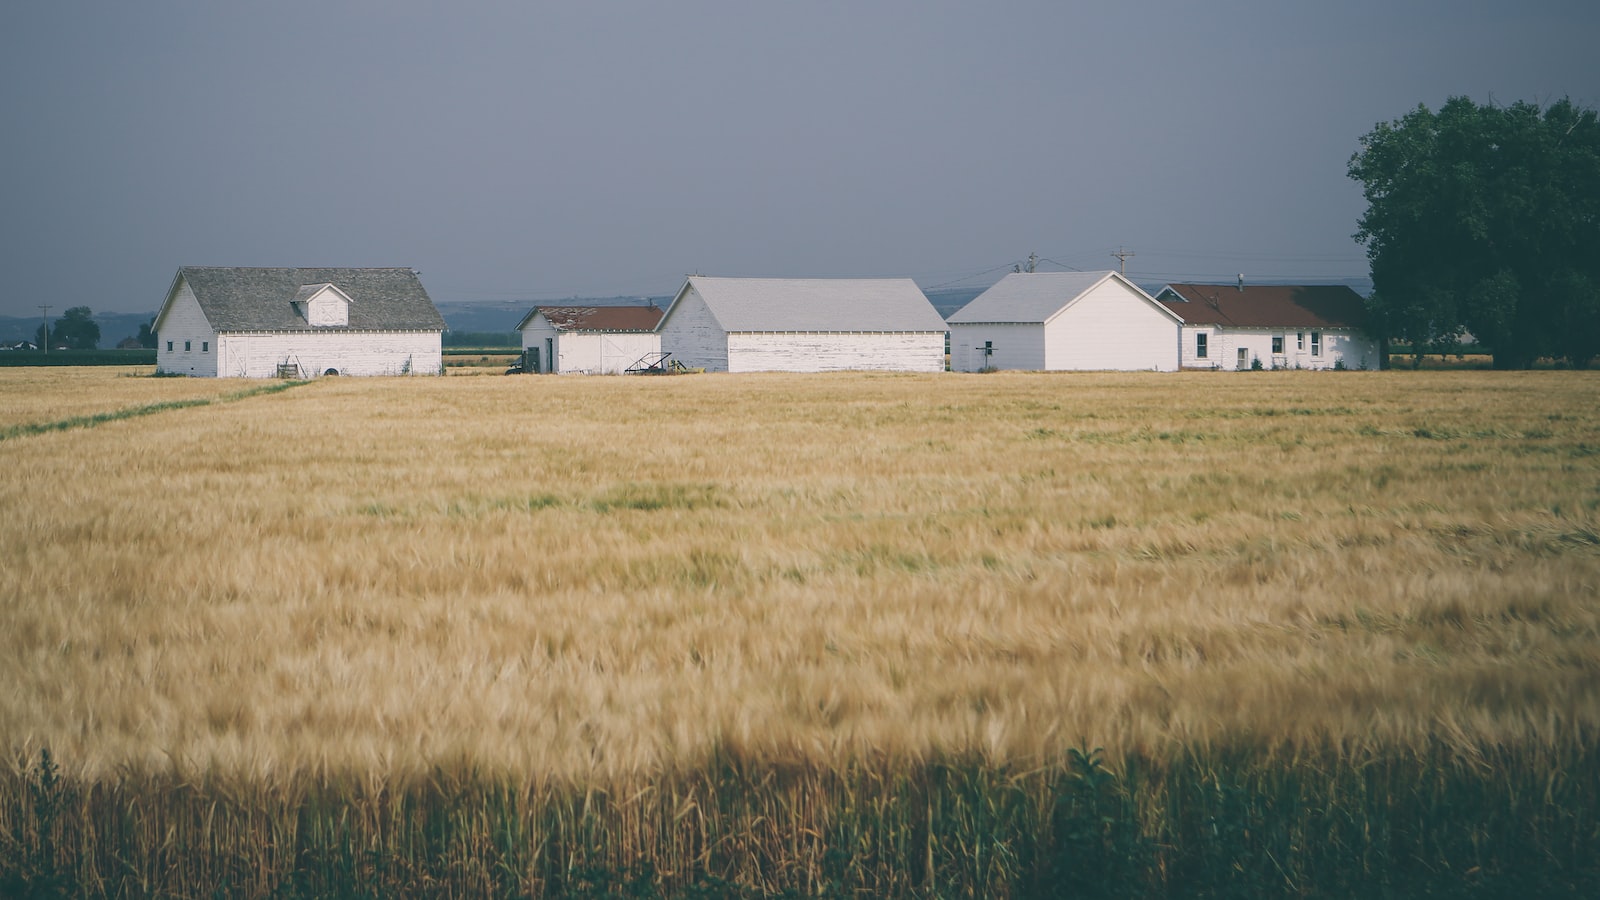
column 1122, row 259
column 44, row 313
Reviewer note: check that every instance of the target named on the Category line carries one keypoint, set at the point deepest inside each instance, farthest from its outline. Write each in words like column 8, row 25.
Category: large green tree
column 1486, row 218
column 76, row 330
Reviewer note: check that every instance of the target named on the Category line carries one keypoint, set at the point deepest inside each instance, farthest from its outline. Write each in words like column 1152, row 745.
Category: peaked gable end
column 323, row 305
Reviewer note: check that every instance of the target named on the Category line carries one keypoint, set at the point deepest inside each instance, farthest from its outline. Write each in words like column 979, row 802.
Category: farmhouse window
column 1316, row 343
column 169, row 346
column 1300, row 340
column 1277, row 344
column 186, row 346
column 205, row 346
column 1200, row 346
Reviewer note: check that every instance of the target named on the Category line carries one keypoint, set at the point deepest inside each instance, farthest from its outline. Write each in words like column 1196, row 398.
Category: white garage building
column 803, row 325
column 266, row 322
column 589, row 340
column 1064, row 321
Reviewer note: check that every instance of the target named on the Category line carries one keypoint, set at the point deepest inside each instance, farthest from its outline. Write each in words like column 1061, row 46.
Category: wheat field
column 604, row 581
column 607, row 576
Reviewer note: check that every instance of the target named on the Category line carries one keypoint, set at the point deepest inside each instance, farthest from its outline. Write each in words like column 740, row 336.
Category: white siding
column 1223, row 346
column 347, row 352
column 1191, row 357
column 1354, row 348
column 328, row 308
column 1016, row 346
column 185, row 325
column 692, row 335
column 598, row 353
column 1111, row 327
column 540, row 335
column 835, row 351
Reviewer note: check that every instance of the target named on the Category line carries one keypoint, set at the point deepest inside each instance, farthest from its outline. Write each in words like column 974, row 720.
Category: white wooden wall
column 348, row 352
column 1112, row 327
column 327, row 308
column 1016, row 346
column 1355, row 348
column 692, row 334
column 763, row 351
column 1190, row 356
column 534, row 337
column 590, row 353
column 185, row 322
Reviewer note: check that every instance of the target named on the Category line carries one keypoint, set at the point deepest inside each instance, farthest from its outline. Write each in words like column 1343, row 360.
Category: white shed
column 1279, row 326
column 590, row 340
column 1064, row 321
column 803, row 325
column 262, row 322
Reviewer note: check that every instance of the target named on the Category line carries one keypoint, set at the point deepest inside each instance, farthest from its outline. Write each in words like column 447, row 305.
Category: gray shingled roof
column 1029, row 297
column 818, row 304
column 261, row 299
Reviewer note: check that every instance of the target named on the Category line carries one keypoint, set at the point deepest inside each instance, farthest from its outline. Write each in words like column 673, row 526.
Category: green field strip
column 133, row 412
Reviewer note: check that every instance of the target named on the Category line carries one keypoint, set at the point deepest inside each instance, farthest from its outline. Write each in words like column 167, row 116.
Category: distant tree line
column 75, row 330
column 1486, row 219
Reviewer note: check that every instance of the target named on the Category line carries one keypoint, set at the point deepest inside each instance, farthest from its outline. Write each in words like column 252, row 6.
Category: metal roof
column 596, row 318
column 816, row 304
column 1033, row 298
column 262, row 299
column 1267, row 305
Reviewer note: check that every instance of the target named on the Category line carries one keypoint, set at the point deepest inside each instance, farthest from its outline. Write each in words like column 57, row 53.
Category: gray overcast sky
column 534, row 151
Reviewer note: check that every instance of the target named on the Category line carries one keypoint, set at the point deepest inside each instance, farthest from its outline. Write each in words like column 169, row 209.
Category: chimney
column 1241, row 281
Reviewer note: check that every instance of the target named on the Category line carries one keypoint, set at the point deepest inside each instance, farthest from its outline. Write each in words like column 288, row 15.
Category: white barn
column 803, row 325
column 591, row 340
column 1281, row 326
column 1053, row 321
column 265, row 322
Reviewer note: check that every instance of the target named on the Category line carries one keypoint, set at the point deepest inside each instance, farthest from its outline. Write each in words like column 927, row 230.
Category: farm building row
column 301, row 322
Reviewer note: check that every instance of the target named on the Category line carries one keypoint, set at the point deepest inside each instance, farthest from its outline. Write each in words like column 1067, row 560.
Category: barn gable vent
column 322, row 305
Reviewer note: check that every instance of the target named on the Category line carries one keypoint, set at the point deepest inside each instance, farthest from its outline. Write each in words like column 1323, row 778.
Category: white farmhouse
column 261, row 323
column 1281, row 326
column 803, row 325
column 1058, row 321
column 592, row 340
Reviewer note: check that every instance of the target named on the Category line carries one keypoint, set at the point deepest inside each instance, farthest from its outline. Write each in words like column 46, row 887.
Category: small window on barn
column 1316, row 343
column 1277, row 344
column 205, row 346
column 1200, row 346
column 169, row 346
column 186, row 346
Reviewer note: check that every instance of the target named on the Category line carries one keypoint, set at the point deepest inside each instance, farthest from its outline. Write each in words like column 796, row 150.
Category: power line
column 1122, row 259
column 1007, row 265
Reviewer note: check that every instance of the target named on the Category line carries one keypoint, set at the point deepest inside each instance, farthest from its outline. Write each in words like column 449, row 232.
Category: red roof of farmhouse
column 1266, row 305
column 601, row 318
